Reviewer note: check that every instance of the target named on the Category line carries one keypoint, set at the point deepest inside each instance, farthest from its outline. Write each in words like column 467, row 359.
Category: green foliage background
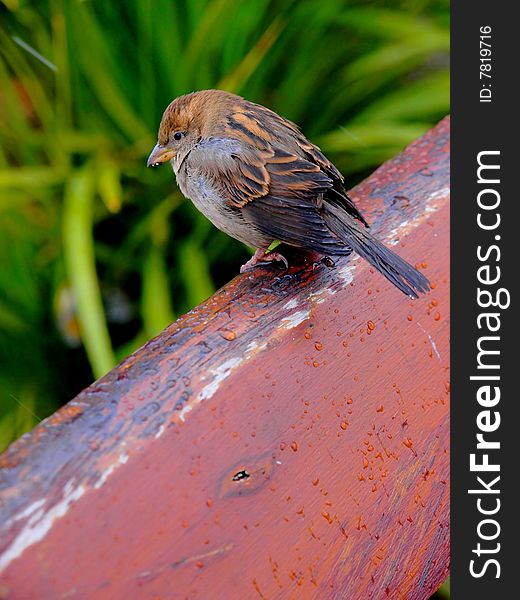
column 97, row 253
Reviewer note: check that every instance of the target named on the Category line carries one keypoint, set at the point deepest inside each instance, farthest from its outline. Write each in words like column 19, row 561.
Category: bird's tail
column 393, row 267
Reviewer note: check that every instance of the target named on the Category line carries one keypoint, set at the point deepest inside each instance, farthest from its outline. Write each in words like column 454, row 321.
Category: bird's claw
column 262, row 257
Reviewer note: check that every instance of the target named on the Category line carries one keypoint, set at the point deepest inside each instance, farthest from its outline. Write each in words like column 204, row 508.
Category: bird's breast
column 208, row 200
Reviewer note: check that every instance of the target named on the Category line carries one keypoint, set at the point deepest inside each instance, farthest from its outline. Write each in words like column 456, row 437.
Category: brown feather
column 272, row 141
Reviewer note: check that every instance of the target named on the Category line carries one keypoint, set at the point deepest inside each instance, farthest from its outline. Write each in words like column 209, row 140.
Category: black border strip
column 483, row 127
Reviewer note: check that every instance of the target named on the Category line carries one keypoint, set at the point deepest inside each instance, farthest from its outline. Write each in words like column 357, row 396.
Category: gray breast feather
column 201, row 189
column 218, row 151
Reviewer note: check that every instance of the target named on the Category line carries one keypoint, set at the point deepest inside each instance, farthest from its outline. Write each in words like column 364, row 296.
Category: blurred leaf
column 109, row 186
column 19, row 420
column 234, row 81
column 417, row 100
column 30, row 177
column 195, row 273
column 392, row 24
column 78, row 249
column 357, row 137
column 10, row 320
column 156, row 308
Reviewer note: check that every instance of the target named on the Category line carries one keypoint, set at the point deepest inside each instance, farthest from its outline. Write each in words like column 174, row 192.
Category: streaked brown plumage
column 257, row 178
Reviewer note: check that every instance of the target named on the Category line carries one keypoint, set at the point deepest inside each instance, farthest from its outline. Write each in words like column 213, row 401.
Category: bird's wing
column 291, row 210
column 243, row 173
column 275, row 158
column 258, row 127
column 277, row 192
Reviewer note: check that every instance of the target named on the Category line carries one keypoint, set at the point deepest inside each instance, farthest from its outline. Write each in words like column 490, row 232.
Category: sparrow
column 256, row 177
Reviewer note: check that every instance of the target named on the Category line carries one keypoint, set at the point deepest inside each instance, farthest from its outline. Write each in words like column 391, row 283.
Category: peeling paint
column 161, row 430
column 346, row 273
column 222, row 372
column 321, row 296
column 123, row 458
column 28, row 511
column 295, row 319
column 293, row 303
column 442, row 193
column 40, row 523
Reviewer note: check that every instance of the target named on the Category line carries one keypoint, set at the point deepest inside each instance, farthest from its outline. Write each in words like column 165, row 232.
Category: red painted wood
column 286, row 439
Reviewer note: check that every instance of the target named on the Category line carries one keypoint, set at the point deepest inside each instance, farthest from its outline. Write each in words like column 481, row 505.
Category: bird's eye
column 177, row 136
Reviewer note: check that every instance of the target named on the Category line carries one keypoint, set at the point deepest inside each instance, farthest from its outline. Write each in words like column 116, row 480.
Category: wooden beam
column 288, row 438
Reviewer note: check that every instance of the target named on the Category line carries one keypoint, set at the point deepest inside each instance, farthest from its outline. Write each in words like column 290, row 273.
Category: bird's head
column 186, row 121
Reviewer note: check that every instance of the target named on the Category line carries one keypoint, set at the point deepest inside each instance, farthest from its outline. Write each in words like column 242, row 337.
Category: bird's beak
column 160, row 155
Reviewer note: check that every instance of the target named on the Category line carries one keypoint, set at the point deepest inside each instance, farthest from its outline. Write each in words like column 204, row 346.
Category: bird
column 256, row 177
